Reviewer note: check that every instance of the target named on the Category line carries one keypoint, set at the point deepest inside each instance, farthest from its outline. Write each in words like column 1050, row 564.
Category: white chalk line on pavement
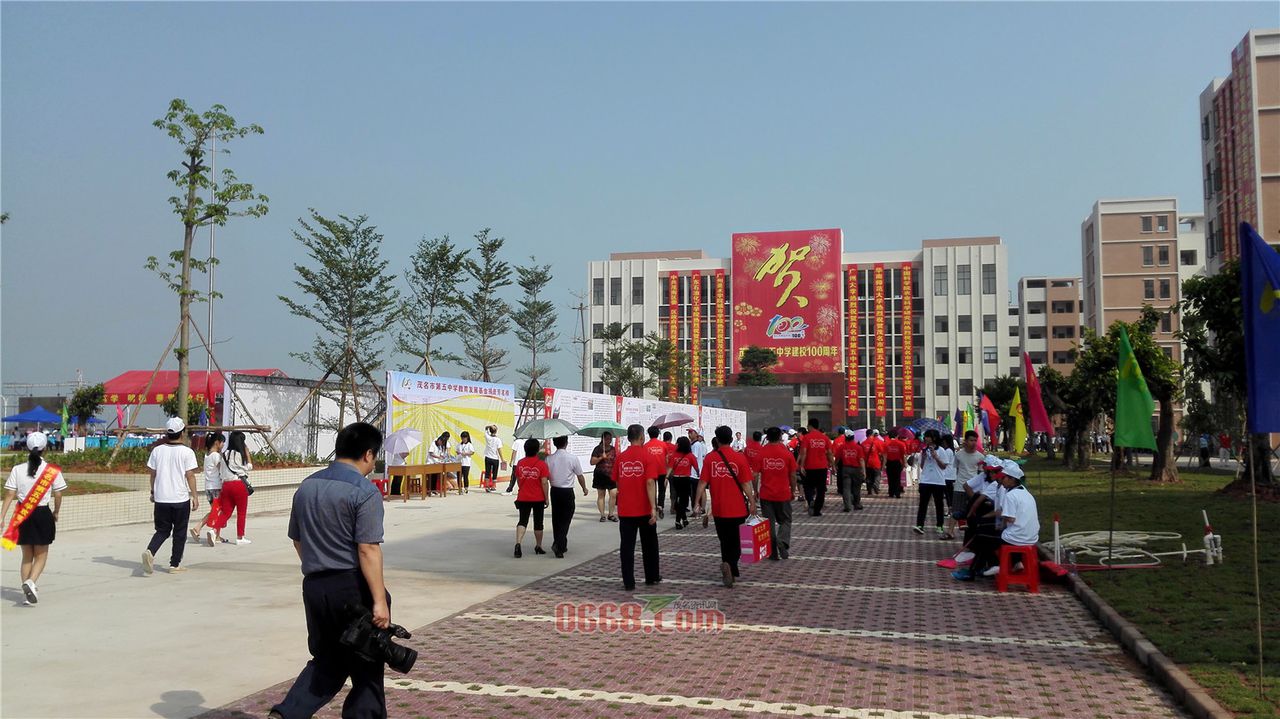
column 870, row 560
column 669, row 700
column 827, row 631
column 1043, row 596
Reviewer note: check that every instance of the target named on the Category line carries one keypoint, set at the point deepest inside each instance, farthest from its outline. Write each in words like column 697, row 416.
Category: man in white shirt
column 968, row 465
column 173, row 491
column 564, row 466
column 739, row 443
column 492, row 458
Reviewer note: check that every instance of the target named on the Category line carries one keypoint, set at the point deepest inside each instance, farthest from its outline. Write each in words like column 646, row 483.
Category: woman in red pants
column 235, row 494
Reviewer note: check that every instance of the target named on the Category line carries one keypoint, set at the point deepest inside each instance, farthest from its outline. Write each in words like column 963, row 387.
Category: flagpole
column 1257, row 583
column 1111, row 524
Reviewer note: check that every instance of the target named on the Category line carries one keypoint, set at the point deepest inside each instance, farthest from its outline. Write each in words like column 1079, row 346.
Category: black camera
column 373, row 644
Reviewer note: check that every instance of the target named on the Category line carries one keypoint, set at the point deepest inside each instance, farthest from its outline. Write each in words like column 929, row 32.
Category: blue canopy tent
column 38, row 414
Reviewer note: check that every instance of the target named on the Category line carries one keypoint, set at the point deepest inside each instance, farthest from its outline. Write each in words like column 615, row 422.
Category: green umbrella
column 545, row 429
column 597, row 429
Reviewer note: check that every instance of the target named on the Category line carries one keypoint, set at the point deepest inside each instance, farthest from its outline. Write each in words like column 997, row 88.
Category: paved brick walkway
column 859, row 623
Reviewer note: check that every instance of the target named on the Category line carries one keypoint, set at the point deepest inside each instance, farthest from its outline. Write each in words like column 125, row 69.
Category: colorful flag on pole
column 959, row 423
column 1260, row 297
column 119, row 416
column 1019, row 425
column 1134, row 404
column 993, row 417
column 66, row 429
column 1035, row 403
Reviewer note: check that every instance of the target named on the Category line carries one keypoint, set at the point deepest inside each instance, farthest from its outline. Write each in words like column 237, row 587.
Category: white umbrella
column 402, row 441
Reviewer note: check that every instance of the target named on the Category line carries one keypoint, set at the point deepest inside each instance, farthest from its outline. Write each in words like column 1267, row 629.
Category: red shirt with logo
column 872, row 448
column 726, row 496
column 895, row 450
column 752, row 452
column 657, row 451
column 777, row 467
column 529, row 473
column 684, row 465
column 815, row 446
column 852, row 454
column 632, row 471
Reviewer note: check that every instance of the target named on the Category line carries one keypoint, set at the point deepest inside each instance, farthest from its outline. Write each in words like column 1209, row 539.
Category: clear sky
column 573, row 130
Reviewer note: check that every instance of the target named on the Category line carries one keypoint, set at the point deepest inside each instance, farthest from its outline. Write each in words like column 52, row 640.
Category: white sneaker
column 243, row 540
column 993, row 571
column 148, row 561
column 29, row 591
column 209, row 538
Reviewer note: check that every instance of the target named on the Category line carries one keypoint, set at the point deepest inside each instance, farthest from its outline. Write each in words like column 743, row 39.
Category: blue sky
column 573, row 130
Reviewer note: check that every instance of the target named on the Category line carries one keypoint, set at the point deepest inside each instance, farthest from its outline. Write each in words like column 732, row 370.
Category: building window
column 941, row 355
column 1013, row 330
column 989, row 279
column 597, row 291
column 940, row 323
column 1166, row 322
column 962, row 279
column 795, row 391
column 1162, row 223
column 615, row 290
column 1204, row 129
column 941, row 386
column 1148, row 289
column 964, row 355
column 1035, row 284
column 1146, row 223
column 597, row 360
column 819, row 390
column 1148, row 256
column 1164, row 289
column 1163, row 255
column 1035, row 333
column 1168, row 351
column 637, row 290
column 1014, row 352
column 966, row 388
column 637, row 330
column 990, row 354
column 1064, row 332
column 1064, row 357
column 964, row 323
column 597, row 329
column 1188, row 258
column 597, row 387
column 988, row 323
column 939, row 280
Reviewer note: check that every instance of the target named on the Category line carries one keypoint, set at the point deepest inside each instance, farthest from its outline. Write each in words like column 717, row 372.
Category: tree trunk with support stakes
column 1163, row 468
column 184, row 310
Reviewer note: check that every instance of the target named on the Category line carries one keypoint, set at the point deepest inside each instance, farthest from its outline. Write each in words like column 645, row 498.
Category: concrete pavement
column 108, row 641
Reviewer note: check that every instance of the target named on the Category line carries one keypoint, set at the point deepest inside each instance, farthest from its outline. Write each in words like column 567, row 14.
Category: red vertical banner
column 617, row 408
column 851, row 339
column 720, row 328
column 695, row 335
column 548, row 401
column 877, row 285
column 908, row 329
column 673, row 330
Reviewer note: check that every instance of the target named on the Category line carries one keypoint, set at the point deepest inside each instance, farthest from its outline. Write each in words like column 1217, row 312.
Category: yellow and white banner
column 434, row 405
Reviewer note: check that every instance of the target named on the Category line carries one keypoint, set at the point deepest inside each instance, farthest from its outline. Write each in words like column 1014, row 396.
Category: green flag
column 65, row 429
column 1133, row 401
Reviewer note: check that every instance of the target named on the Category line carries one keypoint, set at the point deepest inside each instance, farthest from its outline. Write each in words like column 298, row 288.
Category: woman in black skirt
column 37, row 532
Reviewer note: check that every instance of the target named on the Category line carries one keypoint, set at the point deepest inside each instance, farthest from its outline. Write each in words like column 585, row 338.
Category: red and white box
column 756, row 538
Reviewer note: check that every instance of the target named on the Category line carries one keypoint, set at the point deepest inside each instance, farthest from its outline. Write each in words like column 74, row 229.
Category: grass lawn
column 1201, row 617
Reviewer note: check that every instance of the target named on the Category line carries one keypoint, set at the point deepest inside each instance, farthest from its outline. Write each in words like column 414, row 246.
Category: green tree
column 535, row 322
column 435, row 281
column 84, row 403
column 756, row 362
column 194, row 407
column 1213, row 335
column 348, row 294
column 624, row 369
column 193, row 132
column 489, row 314
column 1000, row 392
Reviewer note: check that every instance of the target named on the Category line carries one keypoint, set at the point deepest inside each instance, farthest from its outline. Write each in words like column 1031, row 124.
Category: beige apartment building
column 1052, row 320
column 1240, row 147
column 1131, row 258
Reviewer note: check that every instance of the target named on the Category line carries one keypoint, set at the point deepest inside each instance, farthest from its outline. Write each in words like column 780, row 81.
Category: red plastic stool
column 1030, row 574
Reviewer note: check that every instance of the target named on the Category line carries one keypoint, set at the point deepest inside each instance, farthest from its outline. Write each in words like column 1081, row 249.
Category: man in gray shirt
column 336, row 528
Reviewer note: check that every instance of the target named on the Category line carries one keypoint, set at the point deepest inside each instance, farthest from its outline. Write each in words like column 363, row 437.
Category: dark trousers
column 563, row 503
column 627, row 528
column 730, row 542
column 326, row 597
column 951, row 490
column 466, row 477
column 986, row 552
column 779, row 516
column 815, row 488
column 171, row 520
column 893, row 475
column 873, row 480
column 838, row 470
column 927, row 492
column 682, row 495
column 490, row 473
column 511, row 486
column 662, row 490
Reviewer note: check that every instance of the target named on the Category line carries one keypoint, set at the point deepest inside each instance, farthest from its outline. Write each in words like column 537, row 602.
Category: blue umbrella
column 927, row 423
column 36, row 414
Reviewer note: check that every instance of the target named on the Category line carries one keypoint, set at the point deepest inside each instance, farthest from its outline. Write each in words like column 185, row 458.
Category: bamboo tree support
column 235, row 395
column 303, row 404
column 120, row 433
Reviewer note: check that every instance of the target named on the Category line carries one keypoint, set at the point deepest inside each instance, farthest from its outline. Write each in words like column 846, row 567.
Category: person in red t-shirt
column 752, row 453
column 535, row 488
column 778, row 470
column 633, row 471
column 727, row 473
column 895, row 454
column 853, row 467
column 658, row 451
column 875, row 448
column 815, row 460
column 683, row 475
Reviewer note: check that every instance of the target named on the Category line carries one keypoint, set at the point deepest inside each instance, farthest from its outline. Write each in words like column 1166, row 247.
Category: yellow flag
column 1019, row 424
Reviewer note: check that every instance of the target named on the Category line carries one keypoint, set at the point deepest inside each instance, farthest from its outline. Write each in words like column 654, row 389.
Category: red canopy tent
column 128, row 387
